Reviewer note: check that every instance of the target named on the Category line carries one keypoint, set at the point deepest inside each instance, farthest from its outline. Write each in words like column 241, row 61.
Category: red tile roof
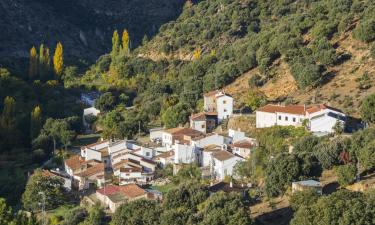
column 290, row 109
column 75, row 162
column 243, row 144
column 202, row 116
column 320, row 107
column 92, row 170
column 165, row 155
column 222, row 155
column 130, row 190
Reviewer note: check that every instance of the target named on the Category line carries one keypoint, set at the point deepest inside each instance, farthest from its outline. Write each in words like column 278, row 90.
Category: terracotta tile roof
column 222, row 155
column 131, row 170
column 165, row 155
column 203, row 136
column 92, row 170
column 109, row 190
column 243, row 144
column 320, row 107
column 212, row 148
column 184, row 131
column 132, row 191
column 75, row 162
column 290, row 109
column 202, row 116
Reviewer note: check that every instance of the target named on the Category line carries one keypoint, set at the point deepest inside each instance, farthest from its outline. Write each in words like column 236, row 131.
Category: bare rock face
column 84, row 27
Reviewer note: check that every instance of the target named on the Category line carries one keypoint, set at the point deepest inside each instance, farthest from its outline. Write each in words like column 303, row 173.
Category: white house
column 185, row 154
column 208, row 139
column 204, row 122
column 164, row 158
column 243, row 147
column 156, row 134
column 208, row 151
column 224, row 163
column 181, row 134
column 236, row 135
column 271, row 115
column 219, row 102
column 320, row 118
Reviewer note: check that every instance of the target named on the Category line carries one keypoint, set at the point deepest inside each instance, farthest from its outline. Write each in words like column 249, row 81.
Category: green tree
column 58, row 59
column 255, row 99
column 36, row 122
column 5, row 212
column 281, row 171
column 189, row 172
column 303, row 198
column 175, row 115
column 222, row 208
column 41, row 187
column 33, row 63
column 368, row 109
column 95, row 217
column 106, row 102
column 139, row 212
column 57, row 130
column 340, row 208
column 346, row 174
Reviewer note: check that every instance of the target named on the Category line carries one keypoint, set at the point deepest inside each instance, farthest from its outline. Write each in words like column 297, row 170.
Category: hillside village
column 118, row 170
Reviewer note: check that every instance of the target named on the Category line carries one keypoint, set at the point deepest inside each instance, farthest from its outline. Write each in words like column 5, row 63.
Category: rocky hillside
column 84, row 27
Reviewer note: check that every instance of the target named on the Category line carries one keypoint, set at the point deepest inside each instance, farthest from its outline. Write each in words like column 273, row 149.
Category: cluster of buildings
column 117, row 169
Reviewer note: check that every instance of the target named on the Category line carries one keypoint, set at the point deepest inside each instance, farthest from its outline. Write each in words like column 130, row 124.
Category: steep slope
column 84, row 27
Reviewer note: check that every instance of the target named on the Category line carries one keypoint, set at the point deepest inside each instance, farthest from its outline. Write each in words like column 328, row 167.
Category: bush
column 256, row 81
column 368, row 109
column 365, row 31
column 346, row 174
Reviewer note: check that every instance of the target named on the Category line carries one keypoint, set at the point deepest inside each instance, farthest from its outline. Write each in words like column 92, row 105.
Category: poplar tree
column 41, row 66
column 58, row 59
column 115, row 45
column 125, row 42
column 8, row 116
column 33, row 62
column 36, row 122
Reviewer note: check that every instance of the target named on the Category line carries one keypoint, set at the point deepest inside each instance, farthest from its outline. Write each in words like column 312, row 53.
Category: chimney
column 304, row 107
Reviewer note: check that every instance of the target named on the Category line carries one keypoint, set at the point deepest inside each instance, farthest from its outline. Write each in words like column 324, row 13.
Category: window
column 225, row 110
column 203, row 126
column 294, row 119
column 147, row 154
column 224, row 102
column 286, row 118
column 279, row 117
column 105, row 161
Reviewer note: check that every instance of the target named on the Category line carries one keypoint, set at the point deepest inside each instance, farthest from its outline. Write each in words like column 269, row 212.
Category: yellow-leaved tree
column 58, row 59
column 36, row 122
column 125, row 42
column 33, row 62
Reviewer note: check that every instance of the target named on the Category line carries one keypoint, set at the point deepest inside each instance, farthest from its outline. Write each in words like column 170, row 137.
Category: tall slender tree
column 8, row 116
column 58, row 59
column 115, row 45
column 36, row 122
column 33, row 62
column 125, row 42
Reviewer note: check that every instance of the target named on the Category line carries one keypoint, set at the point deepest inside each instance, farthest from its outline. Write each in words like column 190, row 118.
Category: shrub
column 346, row 174
column 365, row 31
